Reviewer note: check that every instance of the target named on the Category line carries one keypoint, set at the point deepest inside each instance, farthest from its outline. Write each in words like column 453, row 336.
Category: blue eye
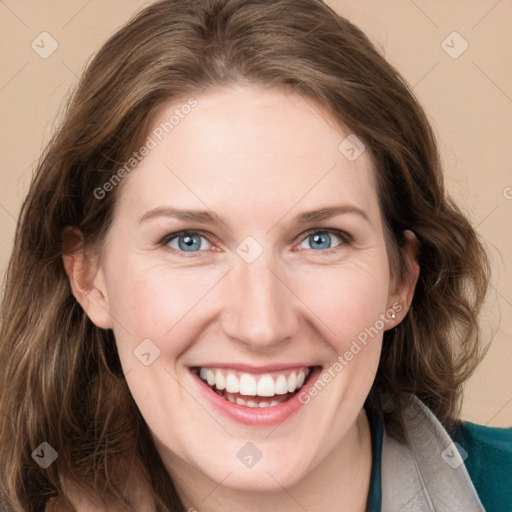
column 187, row 241
column 320, row 240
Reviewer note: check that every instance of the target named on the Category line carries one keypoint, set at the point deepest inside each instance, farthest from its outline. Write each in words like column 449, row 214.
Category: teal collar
column 377, row 429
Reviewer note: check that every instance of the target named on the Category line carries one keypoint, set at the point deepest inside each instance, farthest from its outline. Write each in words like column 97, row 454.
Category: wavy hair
column 60, row 375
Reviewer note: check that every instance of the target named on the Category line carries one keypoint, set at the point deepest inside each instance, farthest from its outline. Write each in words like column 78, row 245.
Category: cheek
column 153, row 299
column 152, row 304
column 347, row 299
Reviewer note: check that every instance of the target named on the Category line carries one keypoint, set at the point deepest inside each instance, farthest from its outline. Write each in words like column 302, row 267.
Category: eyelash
column 346, row 238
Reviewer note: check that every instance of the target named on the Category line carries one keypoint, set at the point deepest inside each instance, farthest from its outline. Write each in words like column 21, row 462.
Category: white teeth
column 281, row 385
column 247, row 385
column 220, row 381
column 266, row 386
column 210, row 378
column 240, row 401
column 292, row 382
column 232, row 384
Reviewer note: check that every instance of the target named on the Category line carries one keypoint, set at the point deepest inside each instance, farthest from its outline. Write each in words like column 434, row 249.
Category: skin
column 257, row 158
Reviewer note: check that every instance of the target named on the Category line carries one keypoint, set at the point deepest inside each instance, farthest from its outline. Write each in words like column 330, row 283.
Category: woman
column 238, row 283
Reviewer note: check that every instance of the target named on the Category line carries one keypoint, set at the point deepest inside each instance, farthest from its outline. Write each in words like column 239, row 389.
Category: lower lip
column 256, row 416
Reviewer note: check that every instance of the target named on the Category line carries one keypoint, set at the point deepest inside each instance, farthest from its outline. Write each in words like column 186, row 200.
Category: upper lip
column 247, row 368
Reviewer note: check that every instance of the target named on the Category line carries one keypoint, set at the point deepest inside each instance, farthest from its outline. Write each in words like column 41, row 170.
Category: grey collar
column 427, row 473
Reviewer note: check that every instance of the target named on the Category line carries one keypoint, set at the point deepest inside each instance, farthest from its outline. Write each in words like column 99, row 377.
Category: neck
column 340, row 482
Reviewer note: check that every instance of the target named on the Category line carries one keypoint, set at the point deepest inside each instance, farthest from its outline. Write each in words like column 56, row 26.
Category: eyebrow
column 209, row 217
column 327, row 213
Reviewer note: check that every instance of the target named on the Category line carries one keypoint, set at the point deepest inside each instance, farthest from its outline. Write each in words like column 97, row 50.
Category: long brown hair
column 61, row 379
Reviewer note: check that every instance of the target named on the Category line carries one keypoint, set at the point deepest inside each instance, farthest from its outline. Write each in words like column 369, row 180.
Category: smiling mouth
column 254, row 390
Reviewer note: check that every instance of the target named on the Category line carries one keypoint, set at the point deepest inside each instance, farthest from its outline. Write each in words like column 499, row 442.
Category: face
column 247, row 282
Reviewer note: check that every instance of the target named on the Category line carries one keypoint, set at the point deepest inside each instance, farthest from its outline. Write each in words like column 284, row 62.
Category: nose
column 260, row 311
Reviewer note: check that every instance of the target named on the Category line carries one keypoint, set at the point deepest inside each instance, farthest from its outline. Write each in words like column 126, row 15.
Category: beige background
column 468, row 100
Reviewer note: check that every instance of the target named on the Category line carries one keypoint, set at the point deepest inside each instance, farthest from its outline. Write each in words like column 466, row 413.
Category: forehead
column 245, row 149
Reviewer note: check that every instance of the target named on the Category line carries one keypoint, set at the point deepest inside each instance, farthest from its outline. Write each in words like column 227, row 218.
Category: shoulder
column 488, row 459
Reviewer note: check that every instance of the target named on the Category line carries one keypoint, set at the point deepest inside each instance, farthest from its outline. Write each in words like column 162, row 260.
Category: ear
column 401, row 290
column 86, row 278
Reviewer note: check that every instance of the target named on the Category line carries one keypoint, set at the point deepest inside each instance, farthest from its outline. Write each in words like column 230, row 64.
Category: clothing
column 432, row 473
column 489, row 463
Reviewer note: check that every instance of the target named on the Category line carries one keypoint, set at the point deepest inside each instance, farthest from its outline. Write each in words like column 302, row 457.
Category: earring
column 393, row 316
